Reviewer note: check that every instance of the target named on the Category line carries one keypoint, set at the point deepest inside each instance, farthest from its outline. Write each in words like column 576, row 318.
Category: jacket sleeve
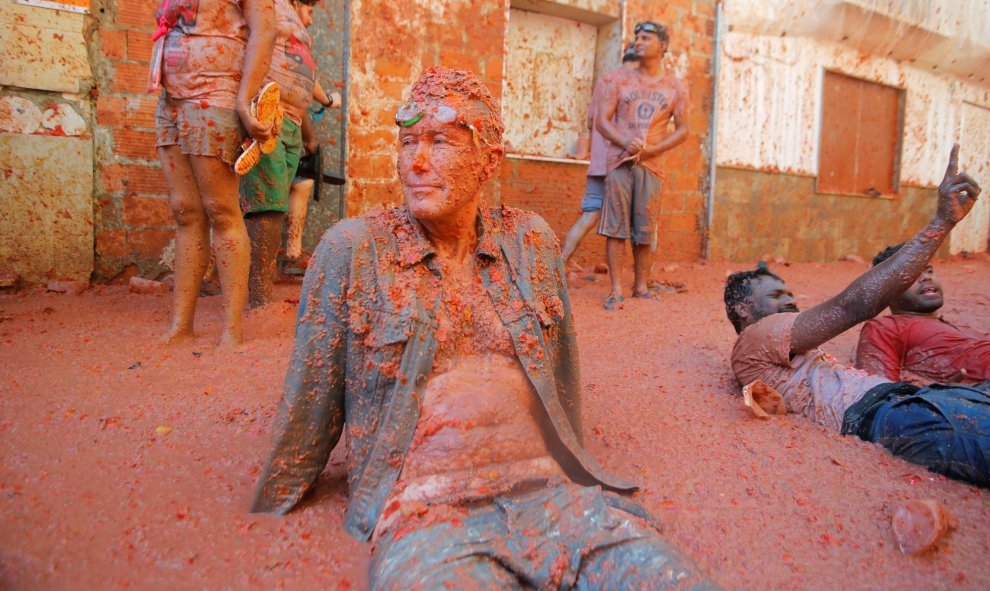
column 563, row 340
column 879, row 350
column 310, row 415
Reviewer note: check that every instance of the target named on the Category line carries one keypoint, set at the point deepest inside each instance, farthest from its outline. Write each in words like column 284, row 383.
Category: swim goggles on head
column 412, row 112
column 650, row 27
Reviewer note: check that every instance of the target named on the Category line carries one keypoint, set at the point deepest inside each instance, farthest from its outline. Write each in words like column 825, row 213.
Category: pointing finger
column 953, row 167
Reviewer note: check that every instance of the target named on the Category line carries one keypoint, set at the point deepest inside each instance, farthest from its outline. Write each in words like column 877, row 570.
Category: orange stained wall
column 133, row 220
column 392, row 41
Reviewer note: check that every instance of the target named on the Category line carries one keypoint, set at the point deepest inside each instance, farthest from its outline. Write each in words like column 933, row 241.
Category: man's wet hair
column 738, row 287
column 886, row 253
column 437, row 84
column 653, row 27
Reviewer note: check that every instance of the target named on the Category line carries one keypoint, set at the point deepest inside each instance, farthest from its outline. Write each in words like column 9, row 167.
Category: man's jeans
column 560, row 537
column 944, row 428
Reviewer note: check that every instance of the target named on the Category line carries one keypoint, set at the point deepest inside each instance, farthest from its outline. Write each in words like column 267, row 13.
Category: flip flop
column 266, row 108
column 666, row 286
column 612, row 302
column 250, row 156
column 648, row 295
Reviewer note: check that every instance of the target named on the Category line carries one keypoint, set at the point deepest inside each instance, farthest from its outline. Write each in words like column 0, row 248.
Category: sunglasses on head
column 649, row 28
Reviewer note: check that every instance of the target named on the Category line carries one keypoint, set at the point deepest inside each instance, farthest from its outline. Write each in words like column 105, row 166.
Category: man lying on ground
column 915, row 344
column 943, row 428
column 439, row 335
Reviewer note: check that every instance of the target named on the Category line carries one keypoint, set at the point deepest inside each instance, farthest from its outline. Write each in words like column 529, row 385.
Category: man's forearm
column 608, row 130
column 260, row 15
column 308, row 135
column 668, row 142
column 878, row 287
column 874, row 290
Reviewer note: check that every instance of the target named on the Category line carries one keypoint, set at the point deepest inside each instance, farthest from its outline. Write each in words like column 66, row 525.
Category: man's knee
column 414, row 569
column 639, row 564
column 944, row 429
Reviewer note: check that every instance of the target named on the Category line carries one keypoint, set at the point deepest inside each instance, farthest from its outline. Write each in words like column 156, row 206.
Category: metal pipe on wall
column 342, row 203
column 710, row 196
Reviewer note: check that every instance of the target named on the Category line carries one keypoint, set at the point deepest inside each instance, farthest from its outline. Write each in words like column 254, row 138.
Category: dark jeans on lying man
column 560, row 537
column 942, row 427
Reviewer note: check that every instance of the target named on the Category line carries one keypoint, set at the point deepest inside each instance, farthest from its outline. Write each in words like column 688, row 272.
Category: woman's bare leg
column 192, row 240
column 218, row 187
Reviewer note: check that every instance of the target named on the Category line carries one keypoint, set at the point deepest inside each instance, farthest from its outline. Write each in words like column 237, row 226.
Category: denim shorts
column 594, row 192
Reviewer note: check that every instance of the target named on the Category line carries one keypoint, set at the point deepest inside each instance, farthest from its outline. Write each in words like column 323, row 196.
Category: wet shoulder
column 767, row 340
column 520, row 222
column 346, row 232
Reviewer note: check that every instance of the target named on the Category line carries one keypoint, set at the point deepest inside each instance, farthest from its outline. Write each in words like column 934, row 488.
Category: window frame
column 898, row 143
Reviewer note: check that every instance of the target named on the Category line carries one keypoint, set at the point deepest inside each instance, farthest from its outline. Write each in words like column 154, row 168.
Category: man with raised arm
column 944, row 428
column 439, row 336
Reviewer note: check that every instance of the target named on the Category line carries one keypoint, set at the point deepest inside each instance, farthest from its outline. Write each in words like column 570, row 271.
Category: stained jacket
column 365, row 344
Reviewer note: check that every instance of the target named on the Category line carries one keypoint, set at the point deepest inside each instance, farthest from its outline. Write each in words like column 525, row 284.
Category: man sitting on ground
column 943, row 428
column 915, row 344
column 440, row 336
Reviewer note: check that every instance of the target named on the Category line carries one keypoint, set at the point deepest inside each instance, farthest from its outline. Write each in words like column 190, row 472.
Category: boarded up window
column 549, row 72
column 861, row 137
column 972, row 233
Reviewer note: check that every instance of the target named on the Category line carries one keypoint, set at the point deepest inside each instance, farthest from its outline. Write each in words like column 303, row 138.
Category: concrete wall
column 46, row 210
column 329, row 32
column 759, row 213
column 771, row 69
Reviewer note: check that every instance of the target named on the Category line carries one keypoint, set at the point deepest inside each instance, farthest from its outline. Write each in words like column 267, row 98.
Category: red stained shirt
column 204, row 50
column 644, row 108
column 921, row 350
column 293, row 66
column 812, row 383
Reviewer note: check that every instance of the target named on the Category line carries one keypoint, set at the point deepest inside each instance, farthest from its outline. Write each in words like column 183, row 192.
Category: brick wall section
column 553, row 190
column 133, row 219
column 692, row 33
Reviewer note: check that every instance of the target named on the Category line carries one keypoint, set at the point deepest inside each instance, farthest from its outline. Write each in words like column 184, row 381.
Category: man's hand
column 634, row 146
column 957, row 192
column 254, row 127
column 310, row 145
